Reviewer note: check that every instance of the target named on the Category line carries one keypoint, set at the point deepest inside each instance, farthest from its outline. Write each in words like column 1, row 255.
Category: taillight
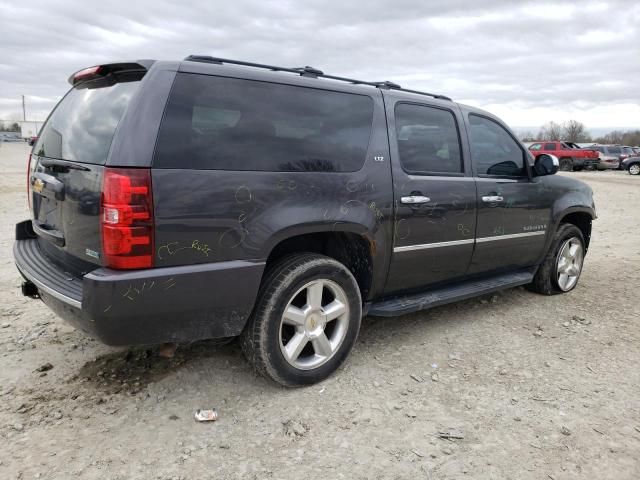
column 29, row 181
column 127, row 218
column 86, row 73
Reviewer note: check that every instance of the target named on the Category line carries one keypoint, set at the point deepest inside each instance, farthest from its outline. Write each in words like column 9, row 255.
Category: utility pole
column 24, row 112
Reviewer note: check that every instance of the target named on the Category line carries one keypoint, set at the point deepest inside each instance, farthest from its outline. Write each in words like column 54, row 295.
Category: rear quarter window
column 82, row 126
column 219, row 123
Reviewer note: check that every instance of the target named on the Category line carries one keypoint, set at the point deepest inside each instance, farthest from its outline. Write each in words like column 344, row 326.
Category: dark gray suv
column 209, row 198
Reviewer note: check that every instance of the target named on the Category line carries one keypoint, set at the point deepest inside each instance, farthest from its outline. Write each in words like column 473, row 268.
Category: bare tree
column 527, row 136
column 612, row 137
column 550, row 131
column 575, row 131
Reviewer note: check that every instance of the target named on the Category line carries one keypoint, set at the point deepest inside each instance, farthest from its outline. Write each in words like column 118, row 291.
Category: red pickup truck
column 571, row 156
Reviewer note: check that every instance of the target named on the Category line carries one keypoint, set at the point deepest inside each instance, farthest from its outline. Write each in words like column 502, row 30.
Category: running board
column 404, row 304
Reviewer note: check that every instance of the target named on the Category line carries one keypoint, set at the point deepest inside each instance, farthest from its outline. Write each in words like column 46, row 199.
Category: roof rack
column 309, row 72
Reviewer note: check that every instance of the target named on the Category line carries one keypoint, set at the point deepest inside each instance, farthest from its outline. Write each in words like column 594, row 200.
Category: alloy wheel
column 314, row 324
column 569, row 263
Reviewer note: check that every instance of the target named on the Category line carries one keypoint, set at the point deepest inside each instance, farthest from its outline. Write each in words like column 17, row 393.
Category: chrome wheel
column 634, row 169
column 314, row 324
column 569, row 263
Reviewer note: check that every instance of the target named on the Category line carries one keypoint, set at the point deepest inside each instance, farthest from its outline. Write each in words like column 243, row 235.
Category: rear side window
column 614, row 150
column 220, row 123
column 82, row 126
column 428, row 140
column 550, row 146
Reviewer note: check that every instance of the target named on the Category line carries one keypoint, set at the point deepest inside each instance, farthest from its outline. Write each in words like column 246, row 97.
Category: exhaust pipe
column 30, row 290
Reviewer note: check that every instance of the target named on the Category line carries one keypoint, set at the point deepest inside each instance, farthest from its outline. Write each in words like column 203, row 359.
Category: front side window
column 219, row 123
column 428, row 140
column 493, row 150
column 535, row 147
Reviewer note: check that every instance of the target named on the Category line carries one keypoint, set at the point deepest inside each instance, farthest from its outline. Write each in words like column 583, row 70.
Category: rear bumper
column 172, row 304
column 586, row 162
column 606, row 164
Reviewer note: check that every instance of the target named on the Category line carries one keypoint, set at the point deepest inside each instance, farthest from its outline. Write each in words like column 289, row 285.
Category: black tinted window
column 614, row 150
column 82, row 126
column 428, row 140
column 493, row 150
column 549, row 146
column 231, row 124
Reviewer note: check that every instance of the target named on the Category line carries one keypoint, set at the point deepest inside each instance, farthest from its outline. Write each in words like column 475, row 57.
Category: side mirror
column 546, row 164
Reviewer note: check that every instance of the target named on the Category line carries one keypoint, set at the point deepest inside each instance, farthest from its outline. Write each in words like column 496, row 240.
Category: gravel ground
column 534, row 387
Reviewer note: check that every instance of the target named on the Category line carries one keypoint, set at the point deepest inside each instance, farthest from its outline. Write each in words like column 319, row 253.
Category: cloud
column 527, row 61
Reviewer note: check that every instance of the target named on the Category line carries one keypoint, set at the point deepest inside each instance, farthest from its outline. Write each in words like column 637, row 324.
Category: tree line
column 574, row 131
column 9, row 126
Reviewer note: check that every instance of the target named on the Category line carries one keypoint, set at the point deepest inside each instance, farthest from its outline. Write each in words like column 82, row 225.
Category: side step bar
column 404, row 304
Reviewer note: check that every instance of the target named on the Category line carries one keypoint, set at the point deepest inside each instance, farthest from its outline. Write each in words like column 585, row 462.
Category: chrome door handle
column 413, row 199
column 492, row 198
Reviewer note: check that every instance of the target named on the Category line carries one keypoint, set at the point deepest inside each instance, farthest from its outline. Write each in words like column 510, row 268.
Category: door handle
column 413, row 199
column 492, row 198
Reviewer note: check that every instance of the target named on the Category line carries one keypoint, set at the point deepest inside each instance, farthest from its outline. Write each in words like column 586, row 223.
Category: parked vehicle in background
column 609, row 156
column 571, row 156
column 214, row 198
column 627, row 152
column 10, row 137
column 619, row 152
column 632, row 165
column 636, row 150
column 29, row 129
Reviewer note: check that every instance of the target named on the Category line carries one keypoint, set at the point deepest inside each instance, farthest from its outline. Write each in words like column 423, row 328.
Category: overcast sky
column 526, row 62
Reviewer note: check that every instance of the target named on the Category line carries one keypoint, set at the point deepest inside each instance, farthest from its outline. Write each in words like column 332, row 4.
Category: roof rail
column 309, row 72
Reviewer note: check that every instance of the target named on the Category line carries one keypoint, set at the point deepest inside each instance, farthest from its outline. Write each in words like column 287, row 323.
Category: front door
column 513, row 211
column 434, row 195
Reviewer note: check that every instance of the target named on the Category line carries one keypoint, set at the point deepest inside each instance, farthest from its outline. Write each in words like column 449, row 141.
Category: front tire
column 305, row 322
column 562, row 266
column 634, row 169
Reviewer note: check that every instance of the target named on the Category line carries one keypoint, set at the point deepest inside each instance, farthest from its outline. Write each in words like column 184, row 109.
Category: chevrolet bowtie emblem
column 38, row 185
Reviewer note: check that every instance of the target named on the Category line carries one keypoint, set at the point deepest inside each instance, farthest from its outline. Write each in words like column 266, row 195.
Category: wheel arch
column 352, row 248
column 581, row 218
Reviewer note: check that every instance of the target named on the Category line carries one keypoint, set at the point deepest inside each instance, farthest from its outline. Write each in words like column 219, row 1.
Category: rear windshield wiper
column 50, row 162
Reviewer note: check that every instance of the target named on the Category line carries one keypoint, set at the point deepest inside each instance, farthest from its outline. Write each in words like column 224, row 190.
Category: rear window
column 220, row 123
column 82, row 126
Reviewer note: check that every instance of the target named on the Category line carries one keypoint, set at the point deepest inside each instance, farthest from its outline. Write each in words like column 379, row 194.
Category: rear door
column 434, row 194
column 65, row 177
column 513, row 209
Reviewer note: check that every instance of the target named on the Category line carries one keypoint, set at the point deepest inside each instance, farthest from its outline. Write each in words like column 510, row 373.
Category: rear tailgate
column 67, row 164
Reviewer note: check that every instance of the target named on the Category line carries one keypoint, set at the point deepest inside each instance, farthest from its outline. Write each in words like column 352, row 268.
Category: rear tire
column 566, row 164
column 305, row 322
column 560, row 271
column 634, row 169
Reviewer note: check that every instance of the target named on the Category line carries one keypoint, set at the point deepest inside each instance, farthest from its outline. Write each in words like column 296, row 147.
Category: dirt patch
column 514, row 385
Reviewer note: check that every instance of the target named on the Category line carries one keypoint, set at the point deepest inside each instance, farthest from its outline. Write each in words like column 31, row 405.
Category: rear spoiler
column 101, row 71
